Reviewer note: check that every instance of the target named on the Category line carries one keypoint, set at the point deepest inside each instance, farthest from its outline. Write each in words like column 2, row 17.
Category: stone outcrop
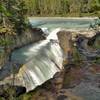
column 31, row 35
column 65, row 41
column 39, row 62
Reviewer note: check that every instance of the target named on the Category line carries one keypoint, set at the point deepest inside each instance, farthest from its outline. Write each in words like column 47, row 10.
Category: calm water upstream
column 69, row 23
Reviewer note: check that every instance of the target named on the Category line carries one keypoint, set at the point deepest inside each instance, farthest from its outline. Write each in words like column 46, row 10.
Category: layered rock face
column 65, row 41
column 30, row 36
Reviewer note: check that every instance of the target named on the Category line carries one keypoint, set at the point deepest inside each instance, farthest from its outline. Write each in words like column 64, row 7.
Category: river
column 40, row 61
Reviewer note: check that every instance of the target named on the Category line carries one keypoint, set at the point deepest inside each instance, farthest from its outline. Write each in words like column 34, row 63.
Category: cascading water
column 40, row 62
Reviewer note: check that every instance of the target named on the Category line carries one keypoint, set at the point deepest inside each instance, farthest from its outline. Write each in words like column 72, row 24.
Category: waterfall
column 40, row 62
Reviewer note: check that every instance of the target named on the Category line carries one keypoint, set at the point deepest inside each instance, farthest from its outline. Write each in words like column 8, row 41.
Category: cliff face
column 65, row 41
column 39, row 62
column 18, row 41
column 30, row 36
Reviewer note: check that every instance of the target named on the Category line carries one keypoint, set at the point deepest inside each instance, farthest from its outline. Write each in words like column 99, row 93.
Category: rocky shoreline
column 65, row 83
column 30, row 36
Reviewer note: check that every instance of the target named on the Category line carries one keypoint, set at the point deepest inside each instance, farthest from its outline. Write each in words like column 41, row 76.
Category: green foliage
column 18, row 15
column 12, row 19
column 61, row 7
column 13, row 12
column 45, row 7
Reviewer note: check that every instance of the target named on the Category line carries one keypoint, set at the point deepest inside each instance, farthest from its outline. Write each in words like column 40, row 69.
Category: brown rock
column 65, row 41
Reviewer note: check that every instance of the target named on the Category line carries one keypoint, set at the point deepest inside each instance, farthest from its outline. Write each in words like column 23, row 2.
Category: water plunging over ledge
column 40, row 62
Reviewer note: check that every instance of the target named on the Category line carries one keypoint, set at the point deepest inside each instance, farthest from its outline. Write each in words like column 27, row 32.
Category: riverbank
column 58, row 17
column 41, row 61
column 80, row 83
column 96, row 14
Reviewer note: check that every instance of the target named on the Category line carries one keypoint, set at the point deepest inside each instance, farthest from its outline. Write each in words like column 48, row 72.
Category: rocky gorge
column 69, row 83
column 75, row 82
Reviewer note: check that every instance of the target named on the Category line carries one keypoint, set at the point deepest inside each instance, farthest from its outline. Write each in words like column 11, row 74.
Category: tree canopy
column 12, row 14
column 12, row 19
column 61, row 7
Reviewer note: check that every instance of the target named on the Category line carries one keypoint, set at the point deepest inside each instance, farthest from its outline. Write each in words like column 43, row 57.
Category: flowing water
column 43, row 59
column 40, row 62
column 68, row 23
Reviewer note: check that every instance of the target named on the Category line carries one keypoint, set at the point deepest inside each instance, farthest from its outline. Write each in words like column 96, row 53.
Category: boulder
column 31, row 35
column 65, row 41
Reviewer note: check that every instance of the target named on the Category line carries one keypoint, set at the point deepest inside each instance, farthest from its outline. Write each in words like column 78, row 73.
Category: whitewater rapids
column 40, row 62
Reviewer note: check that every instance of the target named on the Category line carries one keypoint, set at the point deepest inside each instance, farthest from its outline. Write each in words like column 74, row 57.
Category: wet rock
column 68, row 95
column 93, row 39
column 20, row 90
column 62, row 97
column 31, row 35
column 65, row 41
column 8, row 90
column 72, row 77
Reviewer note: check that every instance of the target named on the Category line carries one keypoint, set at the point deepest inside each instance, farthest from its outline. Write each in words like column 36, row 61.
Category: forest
column 62, row 7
